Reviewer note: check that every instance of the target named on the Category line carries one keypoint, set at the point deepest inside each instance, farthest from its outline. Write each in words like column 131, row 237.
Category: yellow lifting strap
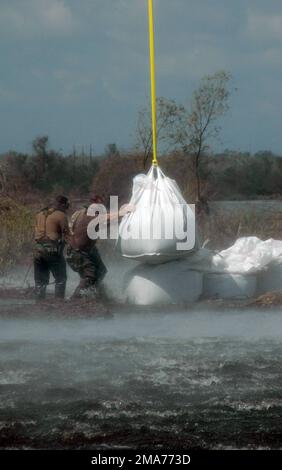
column 153, row 80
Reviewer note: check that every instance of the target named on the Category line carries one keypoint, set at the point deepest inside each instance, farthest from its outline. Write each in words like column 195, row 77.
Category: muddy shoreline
column 20, row 302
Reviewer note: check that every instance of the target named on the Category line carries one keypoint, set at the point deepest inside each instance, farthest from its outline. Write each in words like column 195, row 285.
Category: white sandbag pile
column 170, row 283
column 229, row 286
column 162, row 226
column 270, row 279
column 158, row 232
column 249, row 267
column 247, row 255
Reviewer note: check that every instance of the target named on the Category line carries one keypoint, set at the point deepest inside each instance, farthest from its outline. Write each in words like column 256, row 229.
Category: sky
column 78, row 71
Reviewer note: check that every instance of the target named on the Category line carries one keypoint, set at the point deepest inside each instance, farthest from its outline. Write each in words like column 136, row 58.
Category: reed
column 16, row 230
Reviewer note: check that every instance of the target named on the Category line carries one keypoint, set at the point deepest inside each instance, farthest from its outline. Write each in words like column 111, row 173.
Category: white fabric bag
column 169, row 283
column 229, row 286
column 270, row 279
column 162, row 226
column 247, row 255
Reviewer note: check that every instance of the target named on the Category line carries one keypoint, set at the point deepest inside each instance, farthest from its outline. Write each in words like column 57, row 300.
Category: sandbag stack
column 161, row 234
column 158, row 232
column 162, row 226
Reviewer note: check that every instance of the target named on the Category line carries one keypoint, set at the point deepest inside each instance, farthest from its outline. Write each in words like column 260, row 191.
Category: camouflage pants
column 89, row 266
column 48, row 258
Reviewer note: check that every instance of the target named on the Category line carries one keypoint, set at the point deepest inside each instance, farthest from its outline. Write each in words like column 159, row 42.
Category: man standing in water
column 51, row 232
column 82, row 253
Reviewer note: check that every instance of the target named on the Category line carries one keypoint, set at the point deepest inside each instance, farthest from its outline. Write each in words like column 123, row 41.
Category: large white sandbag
column 270, row 279
column 229, row 286
column 162, row 226
column 247, row 255
column 169, row 283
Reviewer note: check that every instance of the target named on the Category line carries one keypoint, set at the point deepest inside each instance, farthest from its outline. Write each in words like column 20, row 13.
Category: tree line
column 46, row 171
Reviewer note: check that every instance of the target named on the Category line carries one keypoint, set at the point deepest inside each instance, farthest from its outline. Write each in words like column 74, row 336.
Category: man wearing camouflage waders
column 51, row 232
column 82, row 254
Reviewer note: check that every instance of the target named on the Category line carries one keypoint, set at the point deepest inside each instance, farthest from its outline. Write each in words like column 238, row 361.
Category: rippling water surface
column 180, row 379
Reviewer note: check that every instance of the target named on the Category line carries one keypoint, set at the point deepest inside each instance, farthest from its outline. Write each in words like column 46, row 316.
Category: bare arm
column 109, row 216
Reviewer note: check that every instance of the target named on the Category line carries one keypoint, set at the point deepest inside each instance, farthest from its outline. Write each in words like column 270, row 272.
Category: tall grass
column 222, row 228
column 16, row 230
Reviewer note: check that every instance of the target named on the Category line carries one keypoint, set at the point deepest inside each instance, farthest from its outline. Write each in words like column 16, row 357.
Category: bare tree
column 168, row 122
column 189, row 129
column 199, row 123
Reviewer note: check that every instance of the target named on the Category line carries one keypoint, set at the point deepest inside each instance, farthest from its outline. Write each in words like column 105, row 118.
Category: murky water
column 181, row 379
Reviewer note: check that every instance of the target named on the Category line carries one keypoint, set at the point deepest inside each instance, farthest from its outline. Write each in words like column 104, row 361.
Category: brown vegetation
column 229, row 176
column 15, row 233
column 269, row 300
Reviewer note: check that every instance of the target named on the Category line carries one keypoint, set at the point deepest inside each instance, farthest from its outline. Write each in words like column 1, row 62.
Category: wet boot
column 77, row 293
column 89, row 292
column 40, row 292
column 85, row 289
column 60, row 290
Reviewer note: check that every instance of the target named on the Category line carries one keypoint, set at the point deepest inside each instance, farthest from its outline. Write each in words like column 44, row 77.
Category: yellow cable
column 153, row 80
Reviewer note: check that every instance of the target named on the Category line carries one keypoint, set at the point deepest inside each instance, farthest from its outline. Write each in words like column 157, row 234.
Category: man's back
column 52, row 225
column 79, row 239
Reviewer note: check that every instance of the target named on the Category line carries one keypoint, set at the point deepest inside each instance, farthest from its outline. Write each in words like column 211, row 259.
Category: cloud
column 73, row 84
column 30, row 18
column 104, row 65
column 264, row 26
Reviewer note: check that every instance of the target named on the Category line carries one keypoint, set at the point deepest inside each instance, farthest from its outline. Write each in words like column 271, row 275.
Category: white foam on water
column 12, row 377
